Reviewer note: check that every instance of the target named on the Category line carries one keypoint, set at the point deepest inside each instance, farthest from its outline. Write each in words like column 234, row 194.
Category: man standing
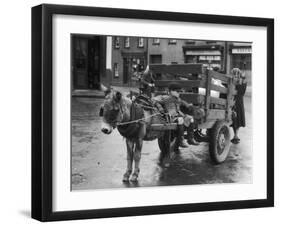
column 238, row 118
column 147, row 82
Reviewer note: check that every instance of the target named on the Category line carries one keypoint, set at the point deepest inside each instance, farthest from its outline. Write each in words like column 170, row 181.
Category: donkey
column 133, row 123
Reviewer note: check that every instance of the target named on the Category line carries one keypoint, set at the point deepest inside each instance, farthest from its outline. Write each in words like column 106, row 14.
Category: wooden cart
column 210, row 90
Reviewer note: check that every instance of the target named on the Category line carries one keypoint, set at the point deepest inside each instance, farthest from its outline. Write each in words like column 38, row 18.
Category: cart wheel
column 168, row 144
column 220, row 142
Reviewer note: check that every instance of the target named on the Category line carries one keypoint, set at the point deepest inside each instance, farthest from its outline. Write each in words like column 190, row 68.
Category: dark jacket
column 146, row 80
column 239, row 119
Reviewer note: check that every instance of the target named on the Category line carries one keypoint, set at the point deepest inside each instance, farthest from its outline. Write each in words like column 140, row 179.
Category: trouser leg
column 190, row 134
column 181, row 129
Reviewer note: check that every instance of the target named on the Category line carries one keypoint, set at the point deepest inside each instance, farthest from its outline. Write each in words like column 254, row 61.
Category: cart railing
column 208, row 89
column 175, row 69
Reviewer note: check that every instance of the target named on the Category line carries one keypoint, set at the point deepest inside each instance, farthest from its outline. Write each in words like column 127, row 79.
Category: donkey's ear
column 105, row 89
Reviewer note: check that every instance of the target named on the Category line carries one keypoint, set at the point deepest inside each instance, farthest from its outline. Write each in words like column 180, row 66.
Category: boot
column 200, row 137
column 190, row 135
column 192, row 141
column 183, row 142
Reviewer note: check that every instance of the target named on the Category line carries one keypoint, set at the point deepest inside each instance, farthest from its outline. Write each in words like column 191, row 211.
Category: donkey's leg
column 130, row 155
column 137, row 157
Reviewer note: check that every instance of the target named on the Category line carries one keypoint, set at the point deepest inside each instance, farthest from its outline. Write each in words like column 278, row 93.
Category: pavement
column 99, row 160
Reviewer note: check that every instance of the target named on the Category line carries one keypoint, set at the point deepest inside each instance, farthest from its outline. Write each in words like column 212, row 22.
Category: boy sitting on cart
column 172, row 104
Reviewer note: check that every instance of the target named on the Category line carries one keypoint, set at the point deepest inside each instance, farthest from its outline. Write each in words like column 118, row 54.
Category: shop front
column 211, row 56
column 133, row 63
column 241, row 57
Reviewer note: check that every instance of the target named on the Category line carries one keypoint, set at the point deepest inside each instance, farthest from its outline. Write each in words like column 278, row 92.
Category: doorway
column 126, row 68
column 85, row 61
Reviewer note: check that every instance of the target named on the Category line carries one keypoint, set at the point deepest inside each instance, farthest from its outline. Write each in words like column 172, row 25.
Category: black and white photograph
column 141, row 112
column 152, row 111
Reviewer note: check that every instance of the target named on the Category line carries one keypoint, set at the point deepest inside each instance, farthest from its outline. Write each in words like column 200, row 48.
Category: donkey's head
column 112, row 110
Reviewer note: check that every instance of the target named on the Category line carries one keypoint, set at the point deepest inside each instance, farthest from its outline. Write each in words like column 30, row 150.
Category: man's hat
column 174, row 87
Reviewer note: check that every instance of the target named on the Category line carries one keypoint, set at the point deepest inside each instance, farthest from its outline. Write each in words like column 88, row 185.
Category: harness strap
column 138, row 120
column 130, row 129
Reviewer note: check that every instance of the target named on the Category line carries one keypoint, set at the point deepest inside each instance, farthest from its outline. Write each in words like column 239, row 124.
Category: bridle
column 111, row 119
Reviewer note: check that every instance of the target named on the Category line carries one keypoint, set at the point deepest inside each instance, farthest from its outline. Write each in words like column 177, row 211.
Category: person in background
column 238, row 116
column 147, row 82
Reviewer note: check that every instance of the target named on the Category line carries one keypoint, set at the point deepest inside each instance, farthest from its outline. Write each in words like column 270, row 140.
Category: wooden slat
column 220, row 101
column 223, row 77
column 193, row 98
column 176, row 68
column 208, row 93
column 161, row 127
column 157, row 93
column 219, row 89
column 182, row 83
column 207, row 125
column 215, row 114
column 210, row 124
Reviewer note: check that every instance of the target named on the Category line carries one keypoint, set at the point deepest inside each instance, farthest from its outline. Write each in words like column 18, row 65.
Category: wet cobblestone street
column 99, row 160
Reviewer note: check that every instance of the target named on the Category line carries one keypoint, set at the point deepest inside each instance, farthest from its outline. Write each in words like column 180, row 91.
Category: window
column 155, row 41
column 141, row 42
column 116, row 42
column 190, row 42
column 191, row 59
column 242, row 61
column 127, row 42
column 172, row 41
column 80, row 53
column 211, row 42
column 156, row 59
column 116, row 73
column 210, row 58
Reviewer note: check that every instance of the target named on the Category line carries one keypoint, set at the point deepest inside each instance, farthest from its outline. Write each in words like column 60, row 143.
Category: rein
column 144, row 106
column 130, row 129
column 138, row 120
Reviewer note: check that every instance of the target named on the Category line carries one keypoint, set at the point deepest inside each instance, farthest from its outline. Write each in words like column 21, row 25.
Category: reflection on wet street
column 99, row 160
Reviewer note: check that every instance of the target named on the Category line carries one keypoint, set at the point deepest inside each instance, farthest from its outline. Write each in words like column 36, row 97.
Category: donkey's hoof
column 126, row 177
column 134, row 178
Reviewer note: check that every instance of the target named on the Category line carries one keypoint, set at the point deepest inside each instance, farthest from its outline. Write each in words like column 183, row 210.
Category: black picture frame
column 42, row 107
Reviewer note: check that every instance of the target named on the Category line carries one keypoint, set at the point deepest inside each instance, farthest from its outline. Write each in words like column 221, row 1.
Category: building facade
column 212, row 54
column 115, row 60
column 240, row 56
column 165, row 51
column 129, row 55
column 219, row 55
